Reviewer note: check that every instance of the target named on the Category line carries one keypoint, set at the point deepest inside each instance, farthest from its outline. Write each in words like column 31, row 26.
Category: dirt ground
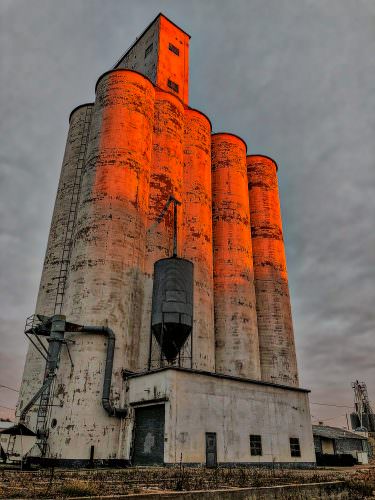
column 62, row 483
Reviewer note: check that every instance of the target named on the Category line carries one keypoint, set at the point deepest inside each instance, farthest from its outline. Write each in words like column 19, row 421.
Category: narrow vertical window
column 295, row 450
column 173, row 85
column 149, row 49
column 255, row 445
column 174, row 49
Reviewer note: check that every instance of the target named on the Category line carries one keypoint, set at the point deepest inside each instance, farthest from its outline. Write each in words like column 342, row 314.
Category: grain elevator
column 162, row 332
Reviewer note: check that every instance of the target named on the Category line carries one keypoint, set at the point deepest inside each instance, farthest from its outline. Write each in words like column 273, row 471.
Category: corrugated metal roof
column 335, row 432
column 5, row 425
column 18, row 429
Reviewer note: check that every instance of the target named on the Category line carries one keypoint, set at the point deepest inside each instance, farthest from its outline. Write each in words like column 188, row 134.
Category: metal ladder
column 11, row 443
column 44, row 402
column 72, row 215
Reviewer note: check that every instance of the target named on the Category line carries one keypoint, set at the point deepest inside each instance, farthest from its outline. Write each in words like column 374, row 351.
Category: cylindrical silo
column 197, row 244
column 58, row 248
column 165, row 180
column 237, row 348
column 106, row 272
column 276, row 338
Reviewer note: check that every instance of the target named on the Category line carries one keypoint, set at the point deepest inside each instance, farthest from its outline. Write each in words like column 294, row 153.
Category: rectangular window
column 173, row 85
column 149, row 50
column 255, row 445
column 174, row 49
column 295, row 450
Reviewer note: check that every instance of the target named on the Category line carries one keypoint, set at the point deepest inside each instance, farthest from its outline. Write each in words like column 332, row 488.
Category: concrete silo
column 236, row 333
column 276, row 338
column 197, row 232
column 57, row 257
column 106, row 270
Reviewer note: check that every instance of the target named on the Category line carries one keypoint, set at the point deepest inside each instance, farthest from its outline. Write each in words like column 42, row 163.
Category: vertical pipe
column 33, row 375
column 236, row 333
column 276, row 338
column 106, row 273
column 197, row 245
column 165, row 181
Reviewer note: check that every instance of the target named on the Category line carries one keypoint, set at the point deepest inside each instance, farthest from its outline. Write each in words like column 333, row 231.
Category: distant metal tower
column 363, row 416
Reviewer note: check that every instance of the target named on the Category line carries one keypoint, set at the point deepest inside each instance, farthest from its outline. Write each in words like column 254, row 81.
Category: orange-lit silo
column 106, row 270
column 57, row 255
column 276, row 338
column 237, row 348
column 197, row 231
column 166, row 180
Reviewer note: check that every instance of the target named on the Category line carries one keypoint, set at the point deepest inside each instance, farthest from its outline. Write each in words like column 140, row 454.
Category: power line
column 6, row 407
column 337, row 416
column 10, row 388
column 336, row 406
column 330, row 418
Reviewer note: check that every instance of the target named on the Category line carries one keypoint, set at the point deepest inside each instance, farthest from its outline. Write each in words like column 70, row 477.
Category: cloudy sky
column 294, row 78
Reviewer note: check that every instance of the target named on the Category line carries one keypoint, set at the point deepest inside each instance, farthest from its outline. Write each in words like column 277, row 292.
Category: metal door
column 211, row 454
column 149, row 435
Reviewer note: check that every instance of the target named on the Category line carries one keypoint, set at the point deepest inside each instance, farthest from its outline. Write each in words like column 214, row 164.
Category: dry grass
column 60, row 483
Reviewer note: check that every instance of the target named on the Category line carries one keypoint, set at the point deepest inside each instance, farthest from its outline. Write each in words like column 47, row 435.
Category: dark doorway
column 211, row 455
column 149, row 435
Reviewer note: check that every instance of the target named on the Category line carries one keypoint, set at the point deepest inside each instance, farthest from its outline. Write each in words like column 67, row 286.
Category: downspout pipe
column 111, row 340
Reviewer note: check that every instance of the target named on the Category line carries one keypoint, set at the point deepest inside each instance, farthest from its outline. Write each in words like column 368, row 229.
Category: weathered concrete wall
column 74, row 151
column 236, row 333
column 106, row 272
column 197, row 233
column 234, row 409
column 276, row 338
column 166, row 180
column 138, row 59
column 349, row 446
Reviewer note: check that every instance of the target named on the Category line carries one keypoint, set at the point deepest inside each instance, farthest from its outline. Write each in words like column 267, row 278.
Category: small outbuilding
column 16, row 440
column 335, row 446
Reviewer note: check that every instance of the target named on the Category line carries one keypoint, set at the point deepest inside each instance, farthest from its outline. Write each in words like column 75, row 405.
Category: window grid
column 295, row 449
column 255, row 445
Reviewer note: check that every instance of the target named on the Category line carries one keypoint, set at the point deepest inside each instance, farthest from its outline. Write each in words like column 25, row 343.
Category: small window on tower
column 173, row 85
column 295, row 450
column 174, row 49
column 255, row 445
column 149, row 50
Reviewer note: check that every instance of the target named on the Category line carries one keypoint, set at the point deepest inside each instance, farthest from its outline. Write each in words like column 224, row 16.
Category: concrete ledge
column 78, row 463
column 256, row 465
column 335, row 490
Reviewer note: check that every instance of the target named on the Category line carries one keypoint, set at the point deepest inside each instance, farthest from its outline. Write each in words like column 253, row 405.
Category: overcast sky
column 294, row 78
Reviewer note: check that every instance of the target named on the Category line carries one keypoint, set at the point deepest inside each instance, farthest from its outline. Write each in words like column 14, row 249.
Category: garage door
column 149, row 435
